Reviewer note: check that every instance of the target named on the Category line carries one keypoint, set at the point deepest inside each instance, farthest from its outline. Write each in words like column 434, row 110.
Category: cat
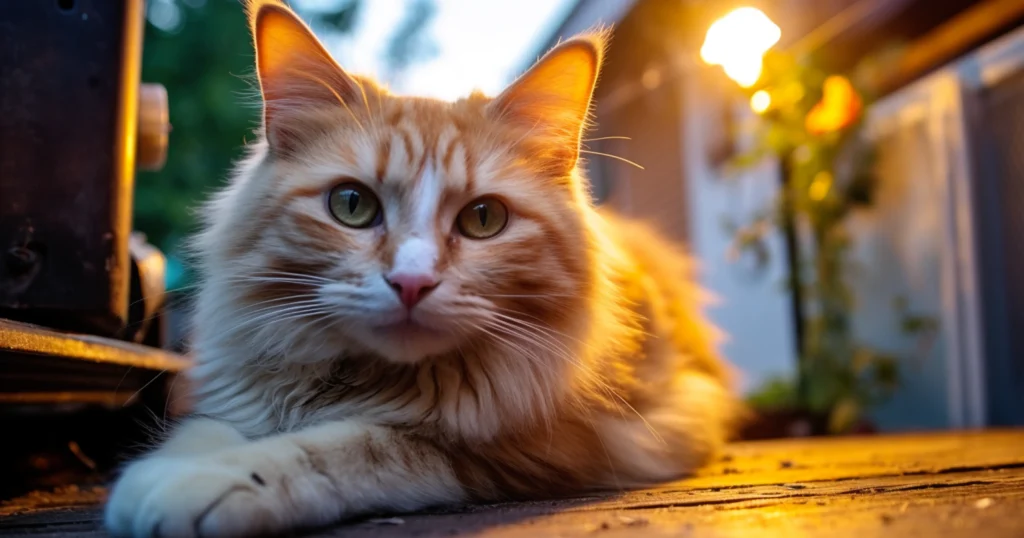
column 409, row 303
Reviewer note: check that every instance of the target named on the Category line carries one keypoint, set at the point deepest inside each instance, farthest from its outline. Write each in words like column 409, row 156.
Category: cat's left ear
column 553, row 98
column 298, row 77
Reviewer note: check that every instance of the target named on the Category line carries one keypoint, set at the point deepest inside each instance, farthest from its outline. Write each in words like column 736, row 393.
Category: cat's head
column 403, row 227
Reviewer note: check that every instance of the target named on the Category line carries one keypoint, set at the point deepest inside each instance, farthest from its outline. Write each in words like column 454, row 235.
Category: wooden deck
column 962, row 484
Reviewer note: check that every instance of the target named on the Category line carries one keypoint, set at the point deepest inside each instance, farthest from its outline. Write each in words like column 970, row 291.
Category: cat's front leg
column 303, row 479
column 190, row 440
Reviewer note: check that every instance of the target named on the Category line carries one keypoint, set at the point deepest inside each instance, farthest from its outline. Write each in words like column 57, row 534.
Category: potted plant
column 810, row 122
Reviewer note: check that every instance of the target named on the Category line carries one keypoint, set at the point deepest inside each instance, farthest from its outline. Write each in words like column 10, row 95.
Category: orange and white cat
column 408, row 302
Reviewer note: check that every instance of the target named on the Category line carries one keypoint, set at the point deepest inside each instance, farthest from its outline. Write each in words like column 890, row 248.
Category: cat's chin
column 408, row 341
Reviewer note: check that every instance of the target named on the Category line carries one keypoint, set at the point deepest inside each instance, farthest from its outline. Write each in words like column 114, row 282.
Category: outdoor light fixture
column 738, row 42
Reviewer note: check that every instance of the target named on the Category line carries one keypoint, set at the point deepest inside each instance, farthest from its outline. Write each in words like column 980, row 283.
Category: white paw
column 179, row 497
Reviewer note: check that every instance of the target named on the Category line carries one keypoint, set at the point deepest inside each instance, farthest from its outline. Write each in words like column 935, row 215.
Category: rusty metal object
column 67, row 397
column 154, row 126
column 149, row 273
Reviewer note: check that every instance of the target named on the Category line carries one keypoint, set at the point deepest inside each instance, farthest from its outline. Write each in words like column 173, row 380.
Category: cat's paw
column 173, row 497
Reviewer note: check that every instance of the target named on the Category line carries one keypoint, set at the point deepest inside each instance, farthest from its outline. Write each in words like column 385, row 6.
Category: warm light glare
column 760, row 101
column 745, row 70
column 839, row 108
column 738, row 41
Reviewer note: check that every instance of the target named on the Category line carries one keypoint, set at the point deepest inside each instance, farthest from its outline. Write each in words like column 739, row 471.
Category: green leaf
column 775, row 393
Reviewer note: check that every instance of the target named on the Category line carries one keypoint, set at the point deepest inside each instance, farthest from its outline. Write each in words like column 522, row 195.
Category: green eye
column 482, row 218
column 354, row 205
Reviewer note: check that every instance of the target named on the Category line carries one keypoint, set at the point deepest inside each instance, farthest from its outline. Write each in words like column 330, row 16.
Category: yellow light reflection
column 820, row 185
column 760, row 101
column 738, row 41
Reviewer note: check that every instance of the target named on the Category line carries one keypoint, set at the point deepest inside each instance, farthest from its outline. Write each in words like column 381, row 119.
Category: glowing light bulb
column 760, row 101
column 738, row 42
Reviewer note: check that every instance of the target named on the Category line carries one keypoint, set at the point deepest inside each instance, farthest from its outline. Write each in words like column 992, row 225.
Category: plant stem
column 795, row 277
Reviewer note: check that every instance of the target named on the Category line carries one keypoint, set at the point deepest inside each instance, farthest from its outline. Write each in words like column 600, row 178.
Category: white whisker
column 606, row 138
column 616, row 157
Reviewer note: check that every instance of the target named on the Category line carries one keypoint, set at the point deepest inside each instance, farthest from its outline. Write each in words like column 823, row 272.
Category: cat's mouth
column 407, row 328
column 409, row 340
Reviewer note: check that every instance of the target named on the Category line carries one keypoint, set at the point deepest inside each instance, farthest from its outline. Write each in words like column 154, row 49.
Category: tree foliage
column 200, row 50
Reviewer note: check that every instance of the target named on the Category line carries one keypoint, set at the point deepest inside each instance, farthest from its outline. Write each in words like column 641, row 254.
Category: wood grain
column 946, row 484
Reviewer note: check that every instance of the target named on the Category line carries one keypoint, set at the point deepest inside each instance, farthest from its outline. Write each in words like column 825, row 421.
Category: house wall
column 669, row 128
column 994, row 97
column 903, row 247
column 933, row 236
column 754, row 308
column 642, row 129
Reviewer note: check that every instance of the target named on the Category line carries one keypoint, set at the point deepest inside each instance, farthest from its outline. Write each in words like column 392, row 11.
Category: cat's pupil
column 353, row 201
column 481, row 211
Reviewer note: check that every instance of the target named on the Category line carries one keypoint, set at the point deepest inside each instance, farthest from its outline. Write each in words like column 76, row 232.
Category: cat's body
column 477, row 332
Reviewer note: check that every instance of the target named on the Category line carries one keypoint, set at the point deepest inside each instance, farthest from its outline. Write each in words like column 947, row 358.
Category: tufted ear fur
column 298, row 78
column 552, row 99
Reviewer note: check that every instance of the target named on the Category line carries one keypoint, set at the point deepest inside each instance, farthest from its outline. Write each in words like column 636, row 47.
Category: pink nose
column 411, row 287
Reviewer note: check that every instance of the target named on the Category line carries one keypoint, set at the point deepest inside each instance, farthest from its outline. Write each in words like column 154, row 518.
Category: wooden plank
column 46, row 367
column 771, row 462
column 950, row 484
column 24, row 338
column 974, row 506
column 957, row 504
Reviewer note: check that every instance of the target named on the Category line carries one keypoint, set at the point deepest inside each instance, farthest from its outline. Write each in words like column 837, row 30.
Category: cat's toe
column 192, row 504
column 239, row 512
column 128, row 493
column 172, row 498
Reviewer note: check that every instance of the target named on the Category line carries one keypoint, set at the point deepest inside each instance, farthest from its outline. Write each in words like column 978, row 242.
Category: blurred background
column 847, row 172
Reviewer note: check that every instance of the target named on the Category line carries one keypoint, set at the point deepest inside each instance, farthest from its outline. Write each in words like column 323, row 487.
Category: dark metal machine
column 70, row 138
column 80, row 293
column 81, row 343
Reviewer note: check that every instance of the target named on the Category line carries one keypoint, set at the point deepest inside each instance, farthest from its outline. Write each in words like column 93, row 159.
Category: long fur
column 566, row 353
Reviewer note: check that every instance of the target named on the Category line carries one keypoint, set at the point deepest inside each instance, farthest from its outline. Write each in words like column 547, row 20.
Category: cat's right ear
column 298, row 78
column 552, row 99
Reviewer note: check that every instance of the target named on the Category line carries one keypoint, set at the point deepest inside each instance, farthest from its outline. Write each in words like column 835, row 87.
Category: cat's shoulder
column 642, row 239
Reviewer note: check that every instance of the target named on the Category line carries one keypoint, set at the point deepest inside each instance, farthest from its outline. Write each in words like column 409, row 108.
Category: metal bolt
column 20, row 260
